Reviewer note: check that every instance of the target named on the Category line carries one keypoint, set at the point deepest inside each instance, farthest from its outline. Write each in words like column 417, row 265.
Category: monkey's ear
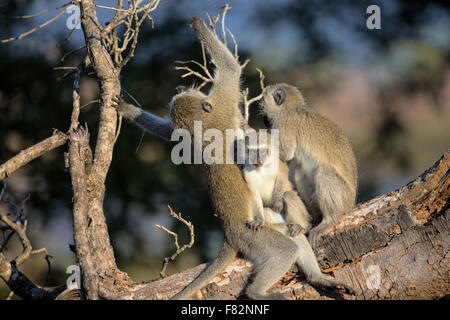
column 278, row 96
column 207, row 106
column 180, row 89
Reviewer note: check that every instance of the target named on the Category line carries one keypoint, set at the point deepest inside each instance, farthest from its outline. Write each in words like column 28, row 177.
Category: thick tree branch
column 79, row 142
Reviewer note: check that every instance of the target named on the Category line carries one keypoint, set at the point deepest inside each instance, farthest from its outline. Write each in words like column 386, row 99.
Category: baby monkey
column 277, row 203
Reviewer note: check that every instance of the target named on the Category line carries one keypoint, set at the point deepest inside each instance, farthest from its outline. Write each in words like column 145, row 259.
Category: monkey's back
column 321, row 141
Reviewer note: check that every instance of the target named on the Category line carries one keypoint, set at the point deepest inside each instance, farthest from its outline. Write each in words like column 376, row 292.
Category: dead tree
column 394, row 246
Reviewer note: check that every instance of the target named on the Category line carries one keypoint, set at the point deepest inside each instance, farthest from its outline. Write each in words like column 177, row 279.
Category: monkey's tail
column 226, row 255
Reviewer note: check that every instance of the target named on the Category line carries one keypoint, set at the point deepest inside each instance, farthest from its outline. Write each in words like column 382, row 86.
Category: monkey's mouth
column 267, row 122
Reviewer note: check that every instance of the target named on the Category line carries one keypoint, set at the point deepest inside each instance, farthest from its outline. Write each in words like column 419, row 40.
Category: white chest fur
column 260, row 183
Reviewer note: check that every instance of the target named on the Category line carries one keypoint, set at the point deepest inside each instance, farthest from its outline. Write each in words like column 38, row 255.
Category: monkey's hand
column 295, row 229
column 255, row 224
column 127, row 110
column 118, row 103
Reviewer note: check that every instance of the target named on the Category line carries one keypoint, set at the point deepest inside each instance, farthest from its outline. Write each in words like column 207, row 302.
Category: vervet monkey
column 281, row 208
column 272, row 252
column 268, row 180
column 321, row 160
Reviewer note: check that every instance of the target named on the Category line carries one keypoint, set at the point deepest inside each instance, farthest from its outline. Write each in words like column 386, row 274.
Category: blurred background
column 388, row 89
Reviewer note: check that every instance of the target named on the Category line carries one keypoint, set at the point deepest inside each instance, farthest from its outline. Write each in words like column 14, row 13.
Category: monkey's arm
column 228, row 73
column 258, row 218
column 295, row 213
column 282, row 184
column 288, row 144
column 161, row 127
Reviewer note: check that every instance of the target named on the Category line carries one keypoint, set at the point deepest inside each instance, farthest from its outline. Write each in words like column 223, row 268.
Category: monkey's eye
column 180, row 89
column 278, row 96
column 207, row 106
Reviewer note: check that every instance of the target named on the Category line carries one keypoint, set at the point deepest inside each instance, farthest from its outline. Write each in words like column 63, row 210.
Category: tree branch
column 25, row 156
column 405, row 234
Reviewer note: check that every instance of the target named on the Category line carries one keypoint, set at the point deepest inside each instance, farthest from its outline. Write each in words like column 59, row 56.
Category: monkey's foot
column 295, row 229
column 331, row 285
column 316, row 233
column 254, row 224
column 314, row 237
column 342, row 288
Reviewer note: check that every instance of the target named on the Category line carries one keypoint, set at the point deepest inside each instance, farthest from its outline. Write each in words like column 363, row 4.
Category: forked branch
column 175, row 237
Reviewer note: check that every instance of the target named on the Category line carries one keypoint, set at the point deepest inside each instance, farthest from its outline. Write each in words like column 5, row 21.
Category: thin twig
column 70, row 52
column 175, row 236
column 38, row 14
column 36, row 28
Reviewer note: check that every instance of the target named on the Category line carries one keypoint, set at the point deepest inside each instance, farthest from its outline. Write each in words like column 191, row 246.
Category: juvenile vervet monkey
column 268, row 180
column 272, row 252
column 281, row 208
column 321, row 160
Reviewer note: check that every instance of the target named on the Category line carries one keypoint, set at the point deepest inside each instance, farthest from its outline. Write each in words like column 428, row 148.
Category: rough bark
column 404, row 233
column 78, row 145
column 108, row 79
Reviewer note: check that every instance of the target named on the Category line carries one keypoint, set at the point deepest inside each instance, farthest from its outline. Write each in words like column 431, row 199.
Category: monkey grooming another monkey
column 272, row 252
column 321, row 160
column 281, row 208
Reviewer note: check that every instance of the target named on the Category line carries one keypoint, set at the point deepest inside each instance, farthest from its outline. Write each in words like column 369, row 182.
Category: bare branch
column 70, row 52
column 245, row 93
column 175, row 236
column 25, row 156
column 36, row 28
column 40, row 13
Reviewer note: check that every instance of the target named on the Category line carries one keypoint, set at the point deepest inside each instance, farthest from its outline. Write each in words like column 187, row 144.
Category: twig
column 224, row 35
column 245, row 93
column 10, row 295
column 70, row 52
column 38, row 14
column 175, row 236
column 119, row 126
column 90, row 102
column 36, row 28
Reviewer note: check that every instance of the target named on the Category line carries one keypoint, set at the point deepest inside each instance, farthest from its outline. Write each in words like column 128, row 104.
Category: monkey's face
column 278, row 99
column 189, row 105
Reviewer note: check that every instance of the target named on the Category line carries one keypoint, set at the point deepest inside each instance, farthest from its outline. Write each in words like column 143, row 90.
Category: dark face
column 273, row 100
